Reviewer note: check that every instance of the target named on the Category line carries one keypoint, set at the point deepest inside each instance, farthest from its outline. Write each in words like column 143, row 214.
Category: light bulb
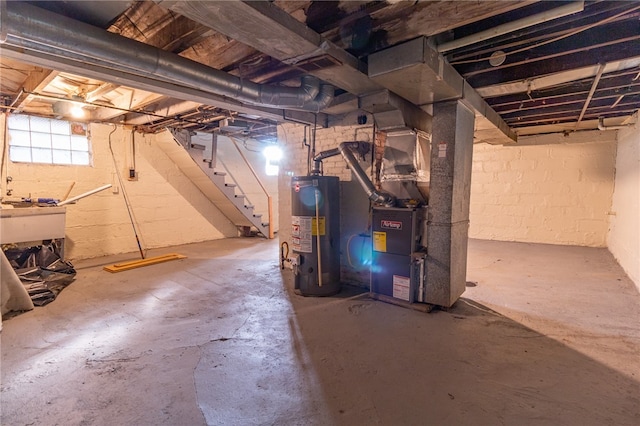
column 77, row 111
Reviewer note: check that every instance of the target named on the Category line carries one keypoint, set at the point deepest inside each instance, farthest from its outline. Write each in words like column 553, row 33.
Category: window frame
column 48, row 141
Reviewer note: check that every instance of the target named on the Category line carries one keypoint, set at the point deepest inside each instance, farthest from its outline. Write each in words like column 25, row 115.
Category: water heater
column 315, row 234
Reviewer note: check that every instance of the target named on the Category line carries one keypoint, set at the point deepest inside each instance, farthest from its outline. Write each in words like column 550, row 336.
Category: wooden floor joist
column 125, row 266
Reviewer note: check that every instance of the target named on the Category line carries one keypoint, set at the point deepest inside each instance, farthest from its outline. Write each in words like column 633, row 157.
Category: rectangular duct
column 416, row 72
column 419, row 74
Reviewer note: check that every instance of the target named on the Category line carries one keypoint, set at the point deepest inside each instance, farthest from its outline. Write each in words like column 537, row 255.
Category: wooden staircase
column 219, row 186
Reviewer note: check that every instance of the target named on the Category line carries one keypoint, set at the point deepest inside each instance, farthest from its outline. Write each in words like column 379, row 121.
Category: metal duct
column 345, row 149
column 35, row 29
column 374, row 195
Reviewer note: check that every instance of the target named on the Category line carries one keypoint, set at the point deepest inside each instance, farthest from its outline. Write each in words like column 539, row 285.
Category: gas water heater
column 315, row 234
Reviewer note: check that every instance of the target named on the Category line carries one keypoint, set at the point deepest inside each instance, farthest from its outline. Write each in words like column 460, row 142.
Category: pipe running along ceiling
column 34, row 29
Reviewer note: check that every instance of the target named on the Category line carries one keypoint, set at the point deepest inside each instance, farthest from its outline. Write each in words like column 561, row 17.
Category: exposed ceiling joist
column 272, row 31
column 276, row 42
column 165, row 107
column 36, row 81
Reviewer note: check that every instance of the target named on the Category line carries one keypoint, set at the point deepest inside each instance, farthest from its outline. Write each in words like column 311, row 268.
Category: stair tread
column 237, row 200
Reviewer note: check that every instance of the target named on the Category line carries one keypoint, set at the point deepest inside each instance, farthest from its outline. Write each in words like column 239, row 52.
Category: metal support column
column 448, row 216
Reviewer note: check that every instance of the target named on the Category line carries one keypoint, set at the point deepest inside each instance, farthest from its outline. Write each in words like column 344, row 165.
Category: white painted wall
column 550, row 189
column 624, row 232
column 168, row 209
column 230, row 156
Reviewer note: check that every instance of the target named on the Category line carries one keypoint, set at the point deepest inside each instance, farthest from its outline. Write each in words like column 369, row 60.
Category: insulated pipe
column 318, row 245
column 594, row 85
column 31, row 28
column 601, row 125
column 558, row 12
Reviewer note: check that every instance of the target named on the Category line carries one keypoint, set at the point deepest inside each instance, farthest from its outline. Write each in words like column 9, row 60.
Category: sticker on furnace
column 391, row 224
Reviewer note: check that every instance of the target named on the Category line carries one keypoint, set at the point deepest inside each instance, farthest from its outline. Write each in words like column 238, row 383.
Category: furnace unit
column 399, row 253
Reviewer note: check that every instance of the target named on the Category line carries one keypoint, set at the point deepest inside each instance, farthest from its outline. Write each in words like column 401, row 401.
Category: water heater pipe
column 318, row 239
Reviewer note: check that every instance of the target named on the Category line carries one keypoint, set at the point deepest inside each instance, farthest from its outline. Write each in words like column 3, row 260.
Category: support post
column 214, row 150
column 270, row 212
column 448, row 214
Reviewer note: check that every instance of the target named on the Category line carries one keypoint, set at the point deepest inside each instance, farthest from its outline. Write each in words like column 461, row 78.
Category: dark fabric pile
column 42, row 271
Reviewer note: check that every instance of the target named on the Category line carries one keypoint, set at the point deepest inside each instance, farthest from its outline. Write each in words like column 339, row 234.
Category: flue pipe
column 345, row 149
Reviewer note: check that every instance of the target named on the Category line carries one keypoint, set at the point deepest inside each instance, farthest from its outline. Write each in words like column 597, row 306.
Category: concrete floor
column 548, row 335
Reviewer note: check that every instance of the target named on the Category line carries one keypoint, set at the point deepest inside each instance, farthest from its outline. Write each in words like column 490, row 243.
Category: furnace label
column 401, row 286
column 391, row 224
column 380, row 241
column 301, row 240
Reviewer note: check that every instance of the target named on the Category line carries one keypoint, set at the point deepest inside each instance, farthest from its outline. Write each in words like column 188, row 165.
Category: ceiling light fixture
column 497, row 58
column 77, row 111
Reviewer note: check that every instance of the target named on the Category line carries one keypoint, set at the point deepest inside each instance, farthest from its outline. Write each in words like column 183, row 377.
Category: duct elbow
column 310, row 87
column 383, row 198
column 323, row 100
column 309, row 96
column 378, row 197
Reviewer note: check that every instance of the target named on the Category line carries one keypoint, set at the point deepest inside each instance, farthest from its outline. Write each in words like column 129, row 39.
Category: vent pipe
column 31, row 28
column 346, row 150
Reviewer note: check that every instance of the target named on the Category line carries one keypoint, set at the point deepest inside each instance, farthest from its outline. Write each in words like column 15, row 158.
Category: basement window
column 47, row 141
column 272, row 154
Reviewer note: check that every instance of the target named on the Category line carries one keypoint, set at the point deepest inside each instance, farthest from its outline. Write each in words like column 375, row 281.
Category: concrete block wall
column 624, row 231
column 228, row 153
column 354, row 204
column 548, row 189
column 167, row 208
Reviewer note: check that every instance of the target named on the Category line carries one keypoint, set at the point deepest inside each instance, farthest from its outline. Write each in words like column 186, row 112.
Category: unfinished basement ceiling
column 539, row 72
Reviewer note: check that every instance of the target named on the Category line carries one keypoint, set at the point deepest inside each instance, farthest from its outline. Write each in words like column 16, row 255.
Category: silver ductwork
column 378, row 197
column 405, row 165
column 31, row 28
column 346, row 150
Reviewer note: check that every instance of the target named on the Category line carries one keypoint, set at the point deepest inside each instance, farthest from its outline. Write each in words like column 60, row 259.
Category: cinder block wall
column 228, row 153
column 548, row 189
column 624, row 233
column 167, row 207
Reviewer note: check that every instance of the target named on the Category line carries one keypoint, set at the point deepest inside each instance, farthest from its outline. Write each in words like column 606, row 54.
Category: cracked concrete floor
column 544, row 335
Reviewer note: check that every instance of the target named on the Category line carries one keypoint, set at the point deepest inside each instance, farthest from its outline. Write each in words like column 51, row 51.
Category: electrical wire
column 284, row 254
column 124, row 193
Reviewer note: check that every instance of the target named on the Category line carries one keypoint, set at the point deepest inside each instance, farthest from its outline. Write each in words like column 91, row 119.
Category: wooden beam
column 166, row 107
column 129, row 99
column 36, row 81
column 607, row 44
